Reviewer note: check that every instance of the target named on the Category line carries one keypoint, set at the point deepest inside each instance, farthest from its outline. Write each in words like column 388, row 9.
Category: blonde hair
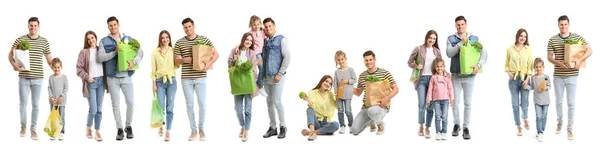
column 56, row 61
column 538, row 60
column 253, row 19
column 337, row 54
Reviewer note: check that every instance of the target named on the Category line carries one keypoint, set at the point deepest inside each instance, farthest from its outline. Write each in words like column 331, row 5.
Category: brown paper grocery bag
column 376, row 91
column 572, row 52
column 201, row 54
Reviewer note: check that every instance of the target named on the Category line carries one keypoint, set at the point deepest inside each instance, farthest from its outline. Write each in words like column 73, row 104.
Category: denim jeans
column 519, row 98
column 96, row 96
column 190, row 87
column 441, row 115
column 34, row 86
column 261, row 72
column 115, row 85
column 570, row 84
column 324, row 127
column 366, row 117
column 345, row 106
column 166, row 97
column 275, row 90
column 422, row 88
column 541, row 113
column 462, row 85
column 61, row 111
column 243, row 109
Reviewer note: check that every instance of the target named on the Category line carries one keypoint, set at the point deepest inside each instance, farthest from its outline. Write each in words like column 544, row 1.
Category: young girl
column 440, row 93
column 57, row 89
column 540, row 84
column 259, row 36
column 243, row 103
column 344, row 77
column 321, row 109
column 92, row 76
column 164, row 83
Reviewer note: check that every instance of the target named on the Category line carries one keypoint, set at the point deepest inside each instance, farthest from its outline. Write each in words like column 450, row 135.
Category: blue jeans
column 422, row 88
column 464, row 85
column 166, row 96
column 366, row 117
column 25, row 86
column 61, row 111
column 115, row 86
column 275, row 90
column 345, row 106
column 520, row 99
column 570, row 84
column 243, row 109
column 96, row 96
column 190, row 87
column 541, row 112
column 261, row 72
column 324, row 127
column 441, row 115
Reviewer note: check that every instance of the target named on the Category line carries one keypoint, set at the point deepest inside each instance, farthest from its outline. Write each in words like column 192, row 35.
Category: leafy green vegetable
column 134, row 44
column 302, row 95
column 372, row 78
column 572, row 41
column 200, row 42
column 244, row 67
column 477, row 46
column 24, row 45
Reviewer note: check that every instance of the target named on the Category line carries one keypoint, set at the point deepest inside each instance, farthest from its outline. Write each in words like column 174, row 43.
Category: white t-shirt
column 95, row 66
column 243, row 57
column 428, row 62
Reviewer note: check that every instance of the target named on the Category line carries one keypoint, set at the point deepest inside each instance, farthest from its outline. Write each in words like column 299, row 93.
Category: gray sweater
column 340, row 75
column 57, row 87
column 540, row 98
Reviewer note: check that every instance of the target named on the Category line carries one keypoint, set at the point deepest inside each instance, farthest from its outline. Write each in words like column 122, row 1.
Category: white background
column 315, row 30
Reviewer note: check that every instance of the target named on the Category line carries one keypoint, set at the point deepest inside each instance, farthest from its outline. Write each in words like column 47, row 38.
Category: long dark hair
column 323, row 79
column 436, row 38
column 244, row 39
column 160, row 38
column 85, row 39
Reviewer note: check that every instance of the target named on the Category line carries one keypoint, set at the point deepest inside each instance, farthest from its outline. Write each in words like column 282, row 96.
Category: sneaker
column 262, row 92
column 201, row 135
column 455, row 130
column 438, row 136
column 466, row 134
column 193, row 135
column 444, row 136
column 282, row 131
column 22, row 133
column 271, row 132
column 540, row 137
column 380, row 129
column 570, row 135
column 120, row 134
column 343, row 130
column 129, row 132
column 61, row 137
column 52, row 138
column 558, row 128
column 34, row 136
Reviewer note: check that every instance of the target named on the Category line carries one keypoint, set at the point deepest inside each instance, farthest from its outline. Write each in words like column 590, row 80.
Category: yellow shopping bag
column 54, row 123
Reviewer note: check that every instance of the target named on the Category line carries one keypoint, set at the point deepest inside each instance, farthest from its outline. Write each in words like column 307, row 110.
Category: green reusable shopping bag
column 416, row 72
column 241, row 78
column 469, row 56
column 157, row 114
column 126, row 52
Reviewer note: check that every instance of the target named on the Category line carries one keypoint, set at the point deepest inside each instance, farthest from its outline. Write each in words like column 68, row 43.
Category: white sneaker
column 540, row 137
column 262, row 92
column 438, row 136
column 61, row 137
column 342, row 129
column 444, row 136
column 52, row 138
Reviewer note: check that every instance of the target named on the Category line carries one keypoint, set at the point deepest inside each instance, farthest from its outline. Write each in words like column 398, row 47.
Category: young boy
column 57, row 89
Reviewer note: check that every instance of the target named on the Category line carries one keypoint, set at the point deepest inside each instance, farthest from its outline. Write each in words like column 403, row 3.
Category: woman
column 421, row 59
column 164, row 83
column 519, row 65
column 91, row 73
column 321, row 109
column 244, row 52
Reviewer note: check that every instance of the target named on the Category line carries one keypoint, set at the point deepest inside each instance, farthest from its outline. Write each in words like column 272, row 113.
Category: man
column 462, row 82
column 193, row 81
column 31, row 80
column 118, row 80
column 276, row 59
column 373, row 115
column 565, row 77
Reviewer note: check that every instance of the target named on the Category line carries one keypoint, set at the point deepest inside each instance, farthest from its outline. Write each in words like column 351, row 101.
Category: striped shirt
column 381, row 74
column 556, row 45
column 183, row 48
column 38, row 47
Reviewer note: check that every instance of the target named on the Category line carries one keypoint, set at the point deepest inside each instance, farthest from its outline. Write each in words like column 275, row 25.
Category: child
column 57, row 89
column 440, row 92
column 345, row 78
column 540, row 83
column 259, row 36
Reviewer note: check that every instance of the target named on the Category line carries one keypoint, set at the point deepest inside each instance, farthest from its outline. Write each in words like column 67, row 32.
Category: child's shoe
column 262, row 92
